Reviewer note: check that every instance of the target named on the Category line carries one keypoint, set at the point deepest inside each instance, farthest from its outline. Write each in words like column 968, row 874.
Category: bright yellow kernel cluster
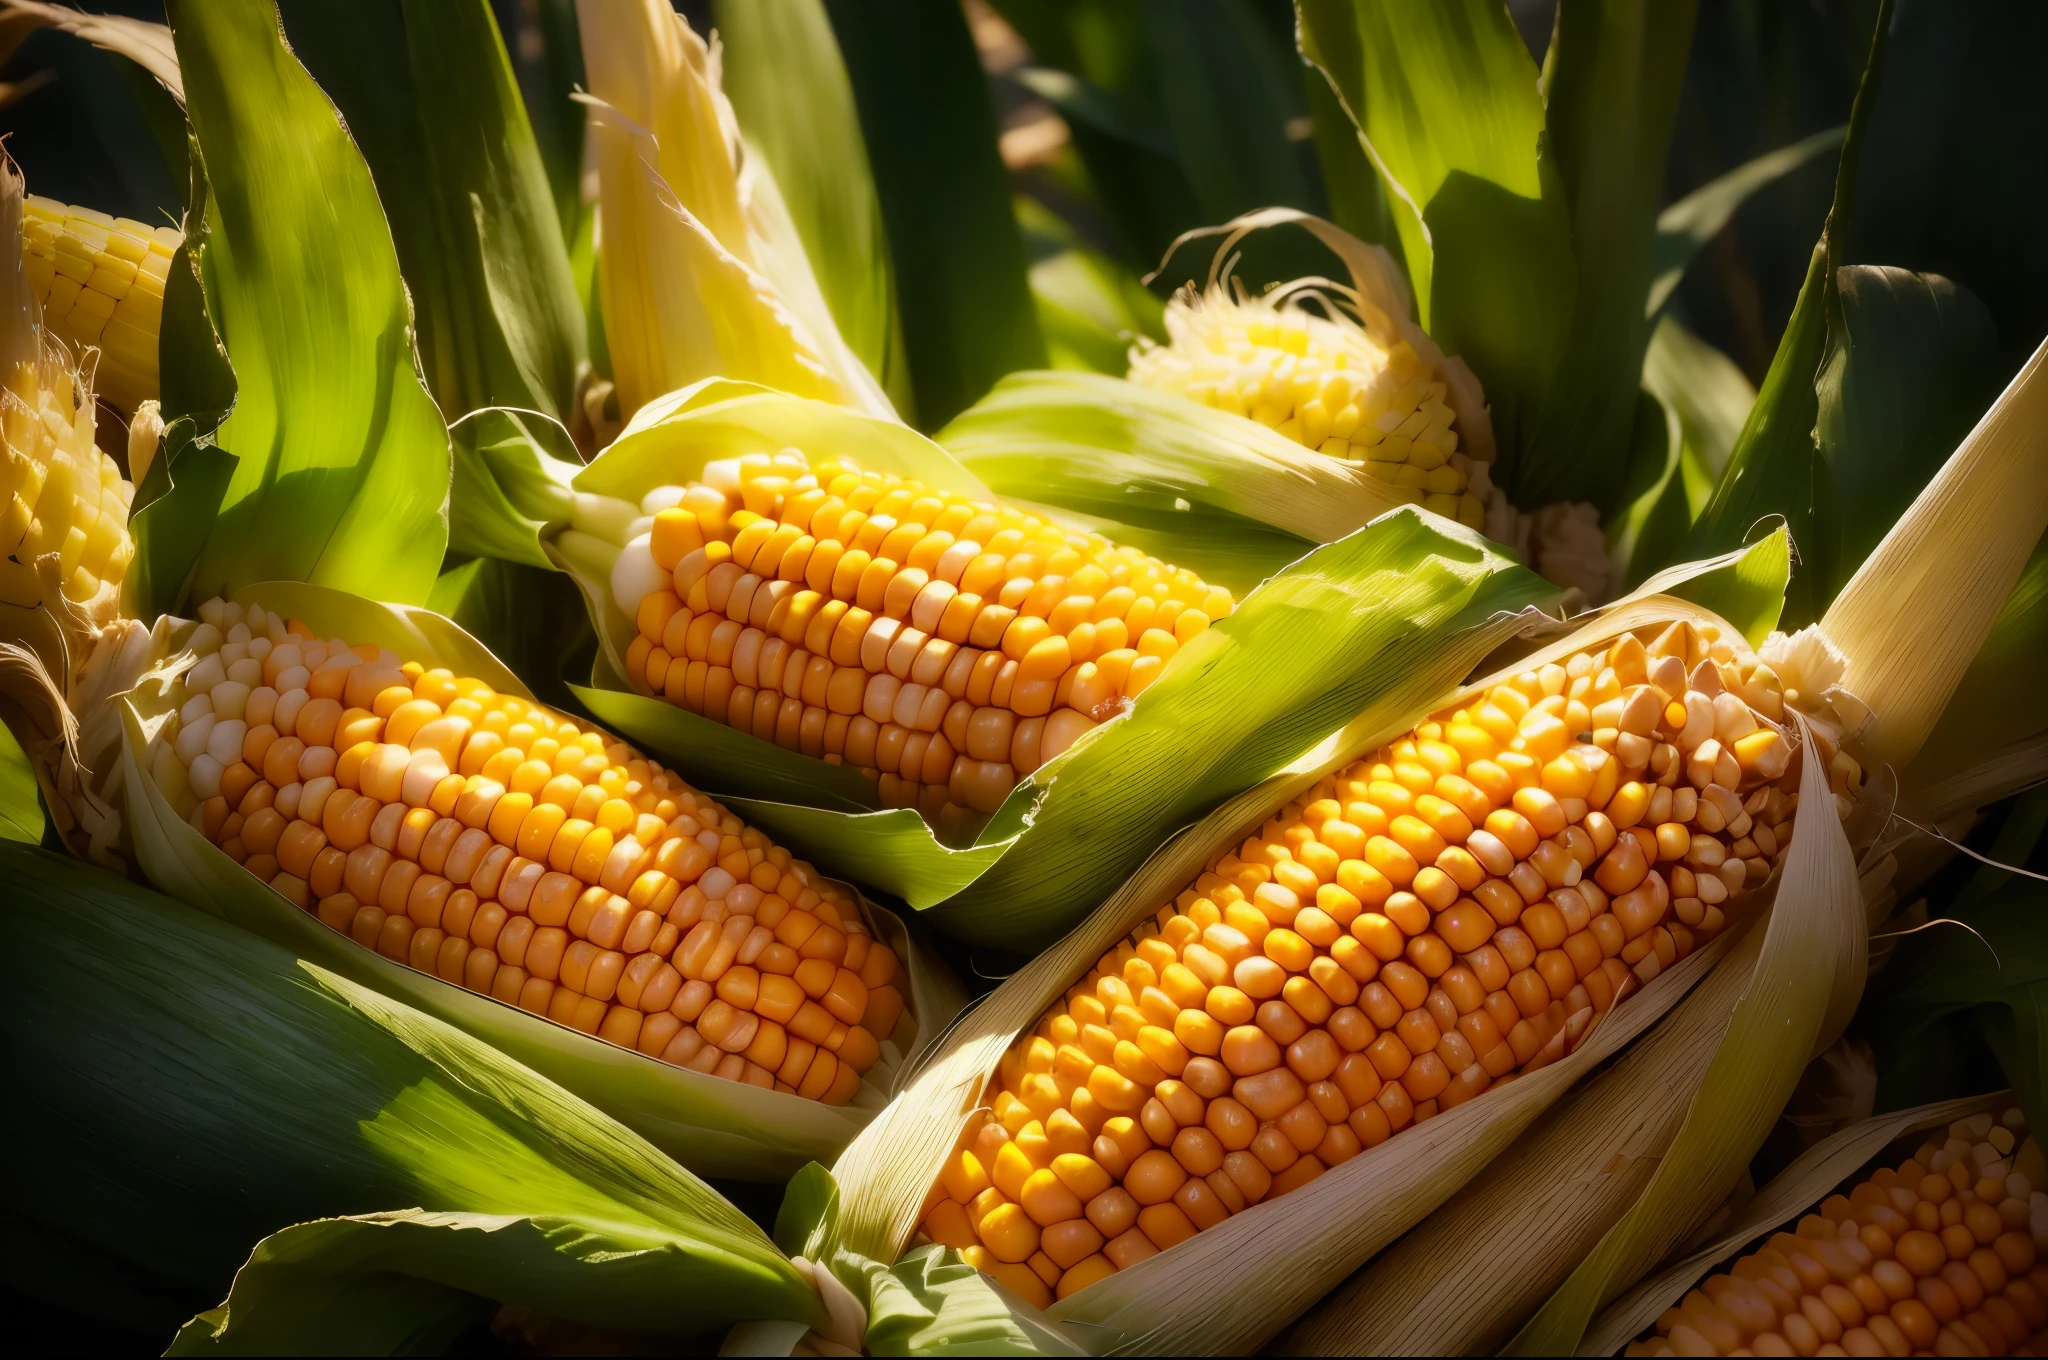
column 58, row 492
column 505, row 848
column 1452, row 911
column 1940, row 1255
column 1324, row 381
column 944, row 647
column 100, row 280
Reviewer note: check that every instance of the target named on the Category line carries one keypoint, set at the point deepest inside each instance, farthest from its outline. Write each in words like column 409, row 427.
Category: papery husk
column 1231, row 1287
column 1944, row 572
column 715, row 1127
column 1792, row 1192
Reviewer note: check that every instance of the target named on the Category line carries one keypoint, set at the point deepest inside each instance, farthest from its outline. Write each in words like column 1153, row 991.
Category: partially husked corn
column 1324, row 381
column 1435, row 919
column 503, row 847
column 1941, row 1255
column 100, row 281
column 943, row 647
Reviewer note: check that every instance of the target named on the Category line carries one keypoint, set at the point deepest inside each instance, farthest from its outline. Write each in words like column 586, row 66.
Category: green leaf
column 428, row 95
column 1091, row 309
column 1452, row 117
column 931, row 137
column 1686, row 226
column 180, row 496
column 1913, row 365
column 343, row 475
column 1691, row 409
column 1613, row 76
column 795, row 104
column 21, row 803
column 716, row 1127
column 510, row 478
column 200, row 1087
column 1749, row 592
column 1776, row 466
column 1358, row 202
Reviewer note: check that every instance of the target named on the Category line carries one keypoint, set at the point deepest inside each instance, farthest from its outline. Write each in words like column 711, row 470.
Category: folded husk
column 1793, row 1191
column 715, row 1127
column 1229, row 1288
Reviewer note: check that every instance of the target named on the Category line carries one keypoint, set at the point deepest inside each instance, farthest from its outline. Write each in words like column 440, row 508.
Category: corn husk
column 1404, row 606
column 1792, row 1192
column 197, row 1088
column 1731, row 1108
column 716, row 1127
column 1233, row 1286
column 702, row 270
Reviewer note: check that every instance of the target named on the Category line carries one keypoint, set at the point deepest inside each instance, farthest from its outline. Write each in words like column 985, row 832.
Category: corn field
column 1058, row 677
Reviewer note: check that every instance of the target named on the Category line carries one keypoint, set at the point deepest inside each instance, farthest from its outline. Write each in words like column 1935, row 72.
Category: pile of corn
column 482, row 838
column 1940, row 1255
column 1448, row 913
column 1323, row 381
column 943, row 647
column 100, row 281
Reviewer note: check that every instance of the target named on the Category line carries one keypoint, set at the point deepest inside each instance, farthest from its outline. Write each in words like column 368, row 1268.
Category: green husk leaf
column 1091, row 309
column 1401, row 607
column 428, row 94
column 1808, row 974
column 794, row 101
column 1611, row 83
column 531, row 619
column 21, row 804
column 511, row 477
column 1795, row 1190
column 1685, row 227
column 930, row 131
column 202, row 1087
column 1751, row 593
column 1223, row 1292
column 1914, row 363
column 1190, row 475
column 1447, row 103
column 719, row 1128
column 343, row 475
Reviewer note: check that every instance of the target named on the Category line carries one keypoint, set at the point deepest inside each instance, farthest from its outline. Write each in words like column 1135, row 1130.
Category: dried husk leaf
column 715, row 1127
column 1944, row 571
column 1231, row 1287
column 1789, row 1194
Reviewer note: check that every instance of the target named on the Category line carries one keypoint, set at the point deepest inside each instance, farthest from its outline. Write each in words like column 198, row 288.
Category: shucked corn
column 1430, row 921
column 1940, row 1255
column 941, row 646
column 1326, row 382
column 482, row 838
column 100, row 280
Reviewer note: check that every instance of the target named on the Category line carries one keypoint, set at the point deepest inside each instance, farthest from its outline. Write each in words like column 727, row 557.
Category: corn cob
column 941, row 646
column 1437, row 918
column 1325, row 381
column 1940, row 1255
column 508, row 849
column 100, row 280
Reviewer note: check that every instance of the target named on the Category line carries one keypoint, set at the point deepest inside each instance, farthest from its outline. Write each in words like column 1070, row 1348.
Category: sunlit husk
column 1792, row 1192
column 717, row 1127
column 1233, row 1286
column 700, row 267
column 1940, row 577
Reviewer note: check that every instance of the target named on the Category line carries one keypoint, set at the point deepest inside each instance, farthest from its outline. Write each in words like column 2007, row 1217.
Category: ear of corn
column 60, row 498
column 100, row 280
column 1452, row 912
column 640, row 921
column 1939, row 1253
column 942, row 646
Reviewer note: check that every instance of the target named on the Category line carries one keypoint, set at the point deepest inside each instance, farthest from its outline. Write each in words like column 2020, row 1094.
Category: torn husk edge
column 1790, row 1193
column 717, row 1127
column 1284, row 1254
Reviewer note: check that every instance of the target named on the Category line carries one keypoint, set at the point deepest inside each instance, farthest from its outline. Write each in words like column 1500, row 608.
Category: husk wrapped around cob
column 1935, row 1246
